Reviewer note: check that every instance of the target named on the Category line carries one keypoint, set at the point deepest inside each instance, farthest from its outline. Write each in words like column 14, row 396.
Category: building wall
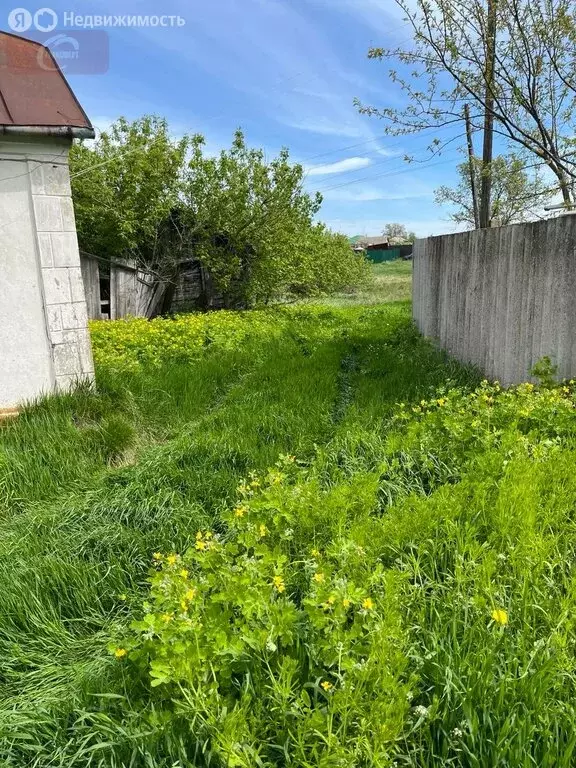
column 502, row 298
column 44, row 342
column 379, row 255
column 188, row 292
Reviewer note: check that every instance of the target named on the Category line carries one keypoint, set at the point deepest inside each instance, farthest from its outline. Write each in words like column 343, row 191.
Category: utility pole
column 486, row 187
column 471, row 166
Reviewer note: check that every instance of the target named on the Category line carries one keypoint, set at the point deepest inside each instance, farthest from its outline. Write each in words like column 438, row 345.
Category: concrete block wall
column 501, row 298
column 44, row 307
column 61, row 273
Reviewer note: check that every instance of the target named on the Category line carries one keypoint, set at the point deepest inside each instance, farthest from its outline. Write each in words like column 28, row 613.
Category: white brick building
column 44, row 342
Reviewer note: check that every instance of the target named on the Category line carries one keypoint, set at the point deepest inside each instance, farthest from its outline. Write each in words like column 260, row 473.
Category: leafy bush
column 155, row 200
column 270, row 656
column 447, row 521
column 415, row 607
column 137, row 344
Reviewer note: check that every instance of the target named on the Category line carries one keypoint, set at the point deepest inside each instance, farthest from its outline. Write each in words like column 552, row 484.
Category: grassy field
column 398, row 589
column 392, row 282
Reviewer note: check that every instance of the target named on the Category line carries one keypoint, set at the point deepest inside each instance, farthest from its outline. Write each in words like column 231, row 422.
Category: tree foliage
column 125, row 184
column 533, row 88
column 515, row 192
column 141, row 195
column 396, row 231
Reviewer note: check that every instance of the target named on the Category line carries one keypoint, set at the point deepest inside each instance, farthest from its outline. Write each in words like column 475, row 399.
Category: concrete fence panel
column 501, row 298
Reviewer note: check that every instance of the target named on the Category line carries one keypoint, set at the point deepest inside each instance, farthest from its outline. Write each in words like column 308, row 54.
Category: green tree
column 515, row 194
column 397, row 231
column 530, row 92
column 139, row 194
column 247, row 218
column 125, row 186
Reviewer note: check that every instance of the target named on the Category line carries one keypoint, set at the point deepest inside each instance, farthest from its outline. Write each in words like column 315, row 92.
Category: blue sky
column 286, row 72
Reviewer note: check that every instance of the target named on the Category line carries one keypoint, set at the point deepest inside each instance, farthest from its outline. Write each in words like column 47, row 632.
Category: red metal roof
column 33, row 90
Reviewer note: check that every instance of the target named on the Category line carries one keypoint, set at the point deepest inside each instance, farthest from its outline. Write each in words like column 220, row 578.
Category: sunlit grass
column 464, row 499
column 391, row 281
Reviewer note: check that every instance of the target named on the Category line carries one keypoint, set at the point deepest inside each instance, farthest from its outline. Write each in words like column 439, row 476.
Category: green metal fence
column 377, row 256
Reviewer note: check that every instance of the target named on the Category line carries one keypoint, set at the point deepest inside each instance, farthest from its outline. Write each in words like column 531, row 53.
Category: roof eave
column 60, row 131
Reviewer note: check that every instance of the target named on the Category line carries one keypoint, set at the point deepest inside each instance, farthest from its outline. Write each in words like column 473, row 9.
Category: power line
column 421, row 163
column 382, row 175
column 31, row 170
column 370, row 141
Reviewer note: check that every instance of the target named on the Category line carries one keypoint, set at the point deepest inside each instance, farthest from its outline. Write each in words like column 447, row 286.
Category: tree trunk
column 471, row 167
column 486, row 187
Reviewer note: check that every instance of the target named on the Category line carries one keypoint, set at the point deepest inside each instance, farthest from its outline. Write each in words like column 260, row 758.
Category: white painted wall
column 44, row 342
column 25, row 360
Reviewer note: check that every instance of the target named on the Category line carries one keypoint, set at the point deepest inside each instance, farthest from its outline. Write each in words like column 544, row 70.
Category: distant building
column 379, row 249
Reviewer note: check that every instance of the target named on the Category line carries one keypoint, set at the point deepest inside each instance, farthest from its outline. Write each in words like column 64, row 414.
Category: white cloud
column 102, row 123
column 350, row 164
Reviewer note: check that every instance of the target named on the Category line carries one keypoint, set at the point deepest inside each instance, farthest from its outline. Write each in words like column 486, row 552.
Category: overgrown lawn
column 363, row 555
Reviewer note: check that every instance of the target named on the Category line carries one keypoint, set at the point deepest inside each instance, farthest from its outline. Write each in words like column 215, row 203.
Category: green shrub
column 274, row 658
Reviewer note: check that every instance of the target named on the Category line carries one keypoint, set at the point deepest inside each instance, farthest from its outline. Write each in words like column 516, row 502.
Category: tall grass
column 467, row 503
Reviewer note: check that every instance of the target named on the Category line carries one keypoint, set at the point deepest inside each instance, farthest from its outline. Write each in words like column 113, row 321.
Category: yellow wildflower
column 315, row 553
column 171, row 559
column 184, row 573
column 500, row 616
column 120, row 653
column 239, row 511
column 201, row 545
column 190, row 594
column 346, row 602
column 319, row 577
column 199, row 536
column 166, row 617
column 184, row 605
column 326, row 685
column 263, row 530
column 279, row 583
column 368, row 604
column 157, row 555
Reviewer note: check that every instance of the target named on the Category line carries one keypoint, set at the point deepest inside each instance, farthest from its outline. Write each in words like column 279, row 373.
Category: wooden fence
column 118, row 289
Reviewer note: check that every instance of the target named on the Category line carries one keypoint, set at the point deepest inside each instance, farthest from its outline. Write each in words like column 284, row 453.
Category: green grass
column 467, row 505
column 391, row 282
